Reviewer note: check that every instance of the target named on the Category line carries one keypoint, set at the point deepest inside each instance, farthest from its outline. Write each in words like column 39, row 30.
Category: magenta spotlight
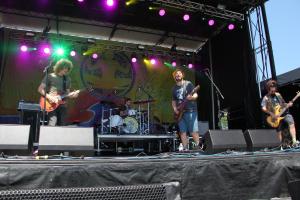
column 46, row 50
column 80, row 1
column 153, row 61
column 231, row 27
column 110, row 3
column 24, row 48
column 133, row 59
column 190, row 65
column 95, row 56
column 174, row 63
column 211, row 22
column 162, row 12
column 73, row 53
column 186, row 17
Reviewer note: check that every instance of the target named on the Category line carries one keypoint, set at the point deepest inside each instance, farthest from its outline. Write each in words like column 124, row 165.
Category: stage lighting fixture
column 162, row 12
column 94, row 55
column 141, row 47
column 174, row 48
column 91, row 41
column 29, row 34
column 24, row 48
column 211, row 22
column 190, row 65
column 110, row 3
column 230, row 27
column 153, row 61
column 59, row 51
column 174, row 64
column 46, row 50
column 186, row 17
column 80, row 1
column 133, row 58
column 73, row 53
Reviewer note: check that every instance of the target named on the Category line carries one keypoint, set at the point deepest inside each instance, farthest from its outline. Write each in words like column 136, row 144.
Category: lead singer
column 188, row 123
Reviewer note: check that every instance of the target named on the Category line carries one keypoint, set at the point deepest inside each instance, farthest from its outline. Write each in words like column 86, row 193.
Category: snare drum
column 130, row 125
column 115, row 121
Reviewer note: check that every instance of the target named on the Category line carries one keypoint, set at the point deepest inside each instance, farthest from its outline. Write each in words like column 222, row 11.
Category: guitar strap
column 64, row 84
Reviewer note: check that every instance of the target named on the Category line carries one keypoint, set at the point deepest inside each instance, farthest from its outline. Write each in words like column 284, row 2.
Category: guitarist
column 188, row 123
column 58, row 83
column 273, row 99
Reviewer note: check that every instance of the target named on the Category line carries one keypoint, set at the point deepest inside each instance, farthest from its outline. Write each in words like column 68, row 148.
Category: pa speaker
column 223, row 140
column 14, row 139
column 261, row 138
column 66, row 139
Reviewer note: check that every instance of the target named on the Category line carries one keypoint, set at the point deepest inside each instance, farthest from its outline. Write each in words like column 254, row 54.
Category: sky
column 284, row 25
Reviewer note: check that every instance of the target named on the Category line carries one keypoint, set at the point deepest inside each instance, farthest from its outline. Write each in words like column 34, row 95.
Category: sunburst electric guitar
column 181, row 106
column 278, row 110
column 51, row 106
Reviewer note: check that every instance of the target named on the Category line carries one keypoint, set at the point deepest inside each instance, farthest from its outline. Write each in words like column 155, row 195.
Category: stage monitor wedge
column 261, row 138
column 66, row 139
column 14, row 139
column 223, row 140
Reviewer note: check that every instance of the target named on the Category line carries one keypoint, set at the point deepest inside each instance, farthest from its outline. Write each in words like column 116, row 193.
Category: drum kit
column 135, row 121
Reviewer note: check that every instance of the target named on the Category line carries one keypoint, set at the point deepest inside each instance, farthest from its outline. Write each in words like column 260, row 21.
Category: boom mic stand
column 46, row 87
column 218, row 93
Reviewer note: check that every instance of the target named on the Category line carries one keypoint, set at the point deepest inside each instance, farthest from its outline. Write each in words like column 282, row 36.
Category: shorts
column 189, row 122
column 288, row 119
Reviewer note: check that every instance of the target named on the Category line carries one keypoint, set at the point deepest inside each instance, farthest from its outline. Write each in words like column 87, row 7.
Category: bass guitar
column 278, row 111
column 51, row 106
column 181, row 106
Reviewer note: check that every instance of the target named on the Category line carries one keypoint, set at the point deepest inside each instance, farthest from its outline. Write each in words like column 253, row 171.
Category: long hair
column 62, row 64
column 178, row 70
column 271, row 83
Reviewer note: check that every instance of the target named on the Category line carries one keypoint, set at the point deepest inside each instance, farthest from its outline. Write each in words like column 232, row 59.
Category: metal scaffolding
column 198, row 7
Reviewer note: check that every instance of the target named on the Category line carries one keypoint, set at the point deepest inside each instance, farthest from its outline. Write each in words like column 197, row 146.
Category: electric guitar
column 181, row 106
column 51, row 106
column 278, row 110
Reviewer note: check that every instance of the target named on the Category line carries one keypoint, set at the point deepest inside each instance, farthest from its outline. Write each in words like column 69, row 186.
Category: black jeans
column 58, row 116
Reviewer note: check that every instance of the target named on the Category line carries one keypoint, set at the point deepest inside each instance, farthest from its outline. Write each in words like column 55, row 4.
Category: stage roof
column 131, row 24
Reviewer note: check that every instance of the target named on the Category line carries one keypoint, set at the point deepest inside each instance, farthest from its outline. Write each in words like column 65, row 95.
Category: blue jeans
column 189, row 122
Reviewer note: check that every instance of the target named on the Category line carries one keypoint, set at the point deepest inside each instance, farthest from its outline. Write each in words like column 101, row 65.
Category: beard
column 178, row 79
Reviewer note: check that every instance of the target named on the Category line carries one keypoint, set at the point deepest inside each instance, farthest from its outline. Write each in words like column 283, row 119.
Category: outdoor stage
column 255, row 175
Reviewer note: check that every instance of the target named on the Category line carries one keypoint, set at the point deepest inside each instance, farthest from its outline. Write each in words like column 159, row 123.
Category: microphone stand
column 148, row 107
column 217, row 91
column 46, row 83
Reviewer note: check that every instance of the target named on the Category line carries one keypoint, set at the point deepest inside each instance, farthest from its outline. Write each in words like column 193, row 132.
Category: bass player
column 187, row 117
column 272, row 100
column 58, row 85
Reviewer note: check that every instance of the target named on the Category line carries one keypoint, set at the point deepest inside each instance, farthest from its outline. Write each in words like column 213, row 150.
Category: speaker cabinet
column 76, row 140
column 14, row 139
column 223, row 140
column 261, row 138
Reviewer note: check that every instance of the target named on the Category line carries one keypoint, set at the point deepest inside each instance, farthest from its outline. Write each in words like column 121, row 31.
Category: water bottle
column 180, row 148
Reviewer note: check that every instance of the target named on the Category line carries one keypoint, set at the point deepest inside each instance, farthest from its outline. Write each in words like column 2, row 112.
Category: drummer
column 126, row 109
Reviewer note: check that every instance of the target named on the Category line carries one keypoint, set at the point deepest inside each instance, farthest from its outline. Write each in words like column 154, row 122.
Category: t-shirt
column 179, row 93
column 271, row 101
column 55, row 83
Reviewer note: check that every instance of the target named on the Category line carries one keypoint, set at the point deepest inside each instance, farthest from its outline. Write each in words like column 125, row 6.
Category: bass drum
column 130, row 125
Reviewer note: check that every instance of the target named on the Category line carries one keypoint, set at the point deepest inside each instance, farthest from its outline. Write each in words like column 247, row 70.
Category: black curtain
column 234, row 72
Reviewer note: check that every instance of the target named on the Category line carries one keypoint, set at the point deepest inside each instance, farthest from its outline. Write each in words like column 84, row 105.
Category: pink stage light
column 80, row 1
column 133, row 59
column 186, row 17
column 153, row 61
column 211, row 22
column 190, row 65
column 95, row 56
column 24, row 48
column 73, row 53
column 46, row 50
column 162, row 12
column 174, row 64
column 231, row 27
column 110, row 3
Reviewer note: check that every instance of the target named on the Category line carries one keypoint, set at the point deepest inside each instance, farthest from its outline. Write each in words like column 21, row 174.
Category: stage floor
column 234, row 175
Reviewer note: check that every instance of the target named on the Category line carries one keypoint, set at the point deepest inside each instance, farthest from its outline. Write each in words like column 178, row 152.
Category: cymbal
column 144, row 101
